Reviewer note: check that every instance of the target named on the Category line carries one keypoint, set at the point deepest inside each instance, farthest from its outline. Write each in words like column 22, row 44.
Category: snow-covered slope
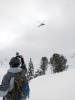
column 54, row 87
column 59, row 86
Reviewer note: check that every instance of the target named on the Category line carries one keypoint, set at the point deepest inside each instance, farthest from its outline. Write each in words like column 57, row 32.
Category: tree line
column 58, row 64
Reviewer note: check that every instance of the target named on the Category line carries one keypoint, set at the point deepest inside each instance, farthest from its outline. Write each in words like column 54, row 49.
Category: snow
column 59, row 86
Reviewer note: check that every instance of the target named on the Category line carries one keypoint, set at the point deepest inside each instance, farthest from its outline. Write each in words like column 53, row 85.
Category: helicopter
column 41, row 24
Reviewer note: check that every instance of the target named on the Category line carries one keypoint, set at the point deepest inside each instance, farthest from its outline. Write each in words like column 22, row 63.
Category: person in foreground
column 15, row 85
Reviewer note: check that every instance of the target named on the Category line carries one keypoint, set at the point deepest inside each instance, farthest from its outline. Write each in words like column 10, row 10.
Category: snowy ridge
column 59, row 86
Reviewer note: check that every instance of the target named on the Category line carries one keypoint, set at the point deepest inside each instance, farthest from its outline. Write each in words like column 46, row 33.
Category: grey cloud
column 22, row 18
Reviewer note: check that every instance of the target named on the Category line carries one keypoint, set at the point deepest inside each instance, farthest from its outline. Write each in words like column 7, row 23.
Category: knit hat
column 14, row 62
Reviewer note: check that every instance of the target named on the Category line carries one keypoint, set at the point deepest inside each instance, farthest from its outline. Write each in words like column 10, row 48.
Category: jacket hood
column 15, row 70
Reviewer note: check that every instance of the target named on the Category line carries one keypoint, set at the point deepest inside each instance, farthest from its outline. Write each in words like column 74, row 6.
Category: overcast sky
column 19, row 31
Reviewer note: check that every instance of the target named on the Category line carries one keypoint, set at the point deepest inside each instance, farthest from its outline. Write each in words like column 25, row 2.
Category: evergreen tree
column 44, row 63
column 30, row 69
column 38, row 73
column 58, row 63
column 43, row 67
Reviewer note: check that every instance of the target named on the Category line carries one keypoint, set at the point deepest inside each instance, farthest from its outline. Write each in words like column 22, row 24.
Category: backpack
column 21, row 86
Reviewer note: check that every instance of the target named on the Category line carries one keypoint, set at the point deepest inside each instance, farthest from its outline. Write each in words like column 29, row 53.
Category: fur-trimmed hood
column 15, row 70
